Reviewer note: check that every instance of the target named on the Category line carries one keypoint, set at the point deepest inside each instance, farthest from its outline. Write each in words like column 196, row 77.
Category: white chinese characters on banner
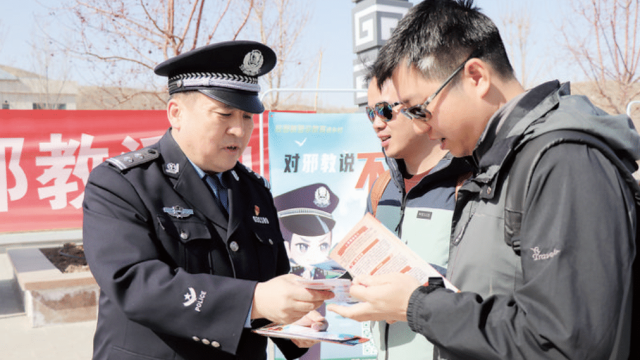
column 65, row 158
column 46, row 158
column 20, row 189
column 131, row 144
column 62, row 155
column 328, row 163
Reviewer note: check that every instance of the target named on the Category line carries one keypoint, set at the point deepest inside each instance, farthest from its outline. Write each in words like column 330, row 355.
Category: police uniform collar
column 174, row 161
column 185, row 180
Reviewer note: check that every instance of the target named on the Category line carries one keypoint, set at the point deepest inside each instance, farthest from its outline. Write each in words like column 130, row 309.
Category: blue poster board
column 321, row 169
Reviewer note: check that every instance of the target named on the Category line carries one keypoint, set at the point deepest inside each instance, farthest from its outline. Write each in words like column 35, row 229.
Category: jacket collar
column 186, row 181
column 498, row 143
column 236, row 197
column 448, row 167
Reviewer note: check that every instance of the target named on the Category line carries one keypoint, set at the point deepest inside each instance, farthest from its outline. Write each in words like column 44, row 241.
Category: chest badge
column 178, row 212
column 259, row 219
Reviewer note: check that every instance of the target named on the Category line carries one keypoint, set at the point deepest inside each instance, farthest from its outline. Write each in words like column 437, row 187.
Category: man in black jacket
column 183, row 240
column 563, row 288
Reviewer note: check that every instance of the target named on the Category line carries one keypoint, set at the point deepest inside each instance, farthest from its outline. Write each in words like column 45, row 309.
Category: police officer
column 306, row 220
column 183, row 240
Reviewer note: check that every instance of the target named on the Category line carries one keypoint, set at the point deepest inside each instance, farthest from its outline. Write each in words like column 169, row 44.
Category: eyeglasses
column 382, row 109
column 420, row 111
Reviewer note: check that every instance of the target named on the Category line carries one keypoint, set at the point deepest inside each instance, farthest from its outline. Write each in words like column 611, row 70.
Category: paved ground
column 19, row 341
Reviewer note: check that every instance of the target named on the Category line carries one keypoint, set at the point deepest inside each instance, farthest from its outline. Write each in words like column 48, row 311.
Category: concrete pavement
column 19, row 341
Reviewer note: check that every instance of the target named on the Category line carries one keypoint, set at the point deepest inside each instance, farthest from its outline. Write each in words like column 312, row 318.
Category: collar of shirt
column 201, row 172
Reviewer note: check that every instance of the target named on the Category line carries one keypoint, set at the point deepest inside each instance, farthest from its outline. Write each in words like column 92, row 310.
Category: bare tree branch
column 188, row 24
column 608, row 53
column 195, row 38
column 215, row 28
column 280, row 24
column 244, row 22
column 123, row 39
column 517, row 38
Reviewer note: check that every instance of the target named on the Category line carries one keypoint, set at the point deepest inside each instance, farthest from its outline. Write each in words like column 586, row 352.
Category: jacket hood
column 576, row 112
column 545, row 108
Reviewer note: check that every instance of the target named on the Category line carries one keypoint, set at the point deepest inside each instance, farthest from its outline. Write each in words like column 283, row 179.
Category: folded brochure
column 369, row 248
column 306, row 333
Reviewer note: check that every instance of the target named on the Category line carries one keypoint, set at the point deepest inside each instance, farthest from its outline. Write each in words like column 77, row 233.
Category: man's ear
column 478, row 75
column 174, row 111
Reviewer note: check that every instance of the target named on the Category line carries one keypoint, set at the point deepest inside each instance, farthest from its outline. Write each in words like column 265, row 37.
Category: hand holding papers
column 386, row 272
column 383, row 297
column 372, row 249
column 305, row 333
column 283, row 300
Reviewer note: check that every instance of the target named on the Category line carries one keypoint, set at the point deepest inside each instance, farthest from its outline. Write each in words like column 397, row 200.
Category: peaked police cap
column 227, row 72
column 307, row 210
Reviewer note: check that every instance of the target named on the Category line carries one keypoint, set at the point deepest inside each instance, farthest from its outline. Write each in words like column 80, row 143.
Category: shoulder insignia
column 133, row 159
column 255, row 175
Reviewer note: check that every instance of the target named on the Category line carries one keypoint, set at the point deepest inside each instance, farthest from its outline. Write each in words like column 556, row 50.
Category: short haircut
column 437, row 36
column 183, row 95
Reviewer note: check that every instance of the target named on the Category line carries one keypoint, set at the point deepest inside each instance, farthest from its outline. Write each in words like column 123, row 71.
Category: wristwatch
column 433, row 284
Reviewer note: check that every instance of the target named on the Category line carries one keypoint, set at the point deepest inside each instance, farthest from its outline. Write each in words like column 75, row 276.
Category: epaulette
column 133, row 159
column 248, row 170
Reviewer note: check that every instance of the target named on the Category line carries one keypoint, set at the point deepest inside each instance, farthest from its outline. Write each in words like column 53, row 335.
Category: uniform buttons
column 234, row 246
column 489, row 190
column 206, row 342
column 270, row 242
column 184, row 235
column 128, row 159
column 195, row 338
column 215, row 344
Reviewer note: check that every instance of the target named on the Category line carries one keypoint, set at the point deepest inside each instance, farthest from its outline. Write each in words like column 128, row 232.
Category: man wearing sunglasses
column 415, row 198
column 563, row 289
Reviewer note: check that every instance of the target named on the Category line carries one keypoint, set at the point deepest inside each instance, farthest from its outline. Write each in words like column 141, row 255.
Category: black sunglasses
column 420, row 111
column 382, row 109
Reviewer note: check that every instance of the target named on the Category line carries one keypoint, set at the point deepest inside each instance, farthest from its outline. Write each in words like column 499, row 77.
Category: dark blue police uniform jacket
column 176, row 278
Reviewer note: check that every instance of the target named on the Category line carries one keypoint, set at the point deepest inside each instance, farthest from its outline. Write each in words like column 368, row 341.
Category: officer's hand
column 314, row 320
column 384, row 297
column 284, row 300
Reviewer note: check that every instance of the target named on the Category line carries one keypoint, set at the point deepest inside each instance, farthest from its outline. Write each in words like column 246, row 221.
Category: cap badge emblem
column 173, row 168
column 252, row 63
column 322, row 197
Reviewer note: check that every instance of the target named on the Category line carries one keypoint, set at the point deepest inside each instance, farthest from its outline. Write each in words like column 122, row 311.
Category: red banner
column 46, row 157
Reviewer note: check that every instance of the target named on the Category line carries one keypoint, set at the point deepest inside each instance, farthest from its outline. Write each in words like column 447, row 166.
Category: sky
column 329, row 29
